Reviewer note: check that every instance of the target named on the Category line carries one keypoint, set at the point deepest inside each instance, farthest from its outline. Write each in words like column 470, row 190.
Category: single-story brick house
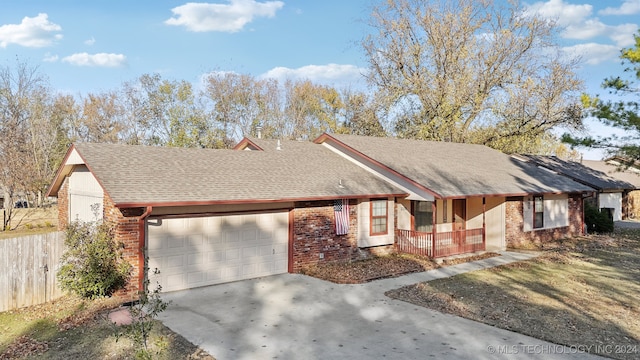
column 610, row 192
column 203, row 216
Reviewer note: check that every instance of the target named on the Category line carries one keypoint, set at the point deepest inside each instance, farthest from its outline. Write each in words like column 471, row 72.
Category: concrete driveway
column 627, row 224
column 293, row 316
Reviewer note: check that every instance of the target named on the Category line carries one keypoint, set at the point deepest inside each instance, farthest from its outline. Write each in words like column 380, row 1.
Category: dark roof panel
column 581, row 173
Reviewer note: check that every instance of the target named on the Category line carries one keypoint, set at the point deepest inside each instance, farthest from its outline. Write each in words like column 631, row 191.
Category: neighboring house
column 610, row 191
column 204, row 216
column 629, row 173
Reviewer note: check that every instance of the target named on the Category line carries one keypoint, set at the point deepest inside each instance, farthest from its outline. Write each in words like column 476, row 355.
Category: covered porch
column 440, row 244
column 446, row 227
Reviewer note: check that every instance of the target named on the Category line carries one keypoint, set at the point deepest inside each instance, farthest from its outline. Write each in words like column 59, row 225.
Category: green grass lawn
column 582, row 292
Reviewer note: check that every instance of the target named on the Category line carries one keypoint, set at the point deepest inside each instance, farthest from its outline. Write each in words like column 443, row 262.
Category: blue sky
column 93, row 46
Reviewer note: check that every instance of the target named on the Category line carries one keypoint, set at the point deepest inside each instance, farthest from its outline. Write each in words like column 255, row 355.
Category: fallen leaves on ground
column 361, row 271
column 24, row 346
column 579, row 292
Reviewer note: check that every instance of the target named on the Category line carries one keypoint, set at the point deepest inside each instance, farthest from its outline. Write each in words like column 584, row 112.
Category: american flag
column 341, row 211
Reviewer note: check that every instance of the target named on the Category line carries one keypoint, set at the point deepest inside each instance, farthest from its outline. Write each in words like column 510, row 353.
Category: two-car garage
column 197, row 251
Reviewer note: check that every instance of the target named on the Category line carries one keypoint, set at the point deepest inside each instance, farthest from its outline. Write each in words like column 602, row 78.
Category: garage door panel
column 232, row 254
column 249, row 234
column 194, row 242
column 195, row 278
column 214, row 239
column 174, row 261
column 281, row 266
column 231, row 272
column 173, row 281
column 195, row 259
column 176, row 242
column 231, row 237
column 202, row 251
column 215, row 256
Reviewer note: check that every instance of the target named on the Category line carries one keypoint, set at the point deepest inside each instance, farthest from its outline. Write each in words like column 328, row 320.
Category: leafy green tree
column 622, row 114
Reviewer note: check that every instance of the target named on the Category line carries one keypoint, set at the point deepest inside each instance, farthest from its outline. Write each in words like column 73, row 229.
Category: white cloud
column 578, row 23
column 50, row 58
column 232, row 17
column 90, row 41
column 592, row 53
column 585, row 30
column 564, row 14
column 325, row 74
column 99, row 60
column 31, row 32
column 628, row 7
column 623, row 34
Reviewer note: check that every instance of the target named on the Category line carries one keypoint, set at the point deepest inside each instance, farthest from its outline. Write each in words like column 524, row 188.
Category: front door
column 459, row 214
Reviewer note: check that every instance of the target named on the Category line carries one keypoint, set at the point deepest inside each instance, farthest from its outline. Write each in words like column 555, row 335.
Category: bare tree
column 469, row 71
column 25, row 131
column 361, row 115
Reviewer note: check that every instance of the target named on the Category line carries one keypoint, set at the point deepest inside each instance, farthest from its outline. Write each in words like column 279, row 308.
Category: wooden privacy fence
column 28, row 266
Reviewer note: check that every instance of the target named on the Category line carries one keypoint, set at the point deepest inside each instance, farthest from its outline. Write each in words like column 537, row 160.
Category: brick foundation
column 315, row 240
column 517, row 238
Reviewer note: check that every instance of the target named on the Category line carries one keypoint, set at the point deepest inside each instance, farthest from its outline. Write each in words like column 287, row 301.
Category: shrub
column 93, row 265
column 29, row 226
column 596, row 220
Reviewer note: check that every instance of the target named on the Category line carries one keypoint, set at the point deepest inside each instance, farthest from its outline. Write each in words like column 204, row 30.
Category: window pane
column 539, row 220
column 423, row 216
column 539, row 205
column 379, row 225
column 379, row 208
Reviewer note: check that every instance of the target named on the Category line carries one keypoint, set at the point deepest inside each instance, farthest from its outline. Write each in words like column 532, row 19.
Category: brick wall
column 516, row 238
column 315, row 240
column 63, row 205
column 127, row 232
column 631, row 205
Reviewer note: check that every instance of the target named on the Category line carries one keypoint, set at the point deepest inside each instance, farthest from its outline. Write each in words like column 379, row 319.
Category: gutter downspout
column 142, row 254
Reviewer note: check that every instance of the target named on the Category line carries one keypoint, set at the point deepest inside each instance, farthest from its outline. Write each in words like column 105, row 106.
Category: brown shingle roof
column 579, row 172
column 625, row 175
column 138, row 175
column 458, row 170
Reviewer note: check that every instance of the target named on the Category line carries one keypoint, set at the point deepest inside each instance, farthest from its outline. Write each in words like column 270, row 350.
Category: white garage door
column 200, row 251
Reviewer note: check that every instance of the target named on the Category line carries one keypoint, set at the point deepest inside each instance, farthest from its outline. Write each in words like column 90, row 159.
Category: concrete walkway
column 293, row 316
